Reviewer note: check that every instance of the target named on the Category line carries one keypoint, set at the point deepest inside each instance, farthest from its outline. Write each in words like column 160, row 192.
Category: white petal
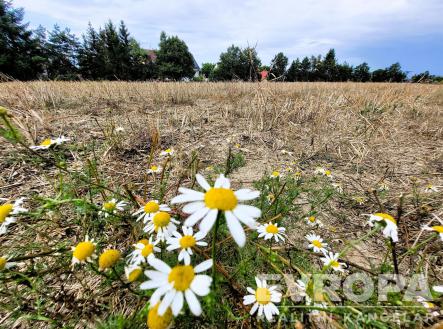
column 200, row 285
column 151, row 284
column 192, row 207
column 156, row 275
column 166, row 302
column 235, row 228
column 249, row 211
column 207, row 222
column 195, row 217
column 203, row 266
column 196, row 196
column 248, row 299
column 246, row 194
column 193, row 303
column 250, row 290
column 177, row 303
column 254, row 308
column 268, row 312
column 202, row 182
column 155, row 298
column 219, row 181
column 159, row 265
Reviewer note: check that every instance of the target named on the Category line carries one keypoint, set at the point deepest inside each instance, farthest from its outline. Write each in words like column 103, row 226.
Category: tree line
column 111, row 53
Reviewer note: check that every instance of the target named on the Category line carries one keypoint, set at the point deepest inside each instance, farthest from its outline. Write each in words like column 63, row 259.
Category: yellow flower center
column 151, row 207
column 438, row 229
column 147, row 250
column 46, row 142
column 327, row 172
column 311, row 219
column 109, row 206
column 187, row 241
column 168, row 151
column 181, row 276
column 271, row 228
column 154, row 168
column 156, row 321
column 161, row 219
column 3, row 262
column 108, row 258
column 5, row 210
column 221, row 199
column 135, row 273
column 275, row 174
column 263, row 296
column 334, row 264
column 144, row 241
column 429, row 305
column 317, row 244
column 386, row 217
column 83, row 250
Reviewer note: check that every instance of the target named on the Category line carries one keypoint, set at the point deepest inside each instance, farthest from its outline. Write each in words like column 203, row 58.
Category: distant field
column 367, row 135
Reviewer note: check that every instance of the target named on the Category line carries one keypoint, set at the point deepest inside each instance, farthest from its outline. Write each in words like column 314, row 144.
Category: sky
column 379, row 32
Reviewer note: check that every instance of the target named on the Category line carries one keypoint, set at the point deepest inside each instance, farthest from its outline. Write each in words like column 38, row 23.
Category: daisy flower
column 133, row 272
column 176, row 284
column 119, row 129
column 382, row 187
column 108, row 259
column 328, row 173
column 360, row 200
column 313, row 221
column 185, row 243
column 431, row 307
column 271, row 230
column 206, row 206
column 270, row 197
column 7, row 212
column 163, row 224
column 316, row 243
column 111, row 207
column 338, row 187
column 154, row 169
column 264, row 299
column 84, row 252
column 390, row 230
column 431, row 188
column 5, row 263
column 275, row 174
column 149, row 210
column 319, row 170
column 438, row 229
column 331, row 260
column 156, row 321
column 297, row 175
column 48, row 142
column 167, row 152
column 143, row 249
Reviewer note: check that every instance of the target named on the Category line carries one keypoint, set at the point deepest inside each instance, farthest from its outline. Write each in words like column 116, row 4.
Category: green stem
column 214, row 246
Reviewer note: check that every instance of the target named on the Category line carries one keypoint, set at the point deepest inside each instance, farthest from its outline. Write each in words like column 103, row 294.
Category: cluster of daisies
column 186, row 281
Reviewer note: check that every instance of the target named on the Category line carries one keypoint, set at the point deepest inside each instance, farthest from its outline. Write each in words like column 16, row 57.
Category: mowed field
column 383, row 144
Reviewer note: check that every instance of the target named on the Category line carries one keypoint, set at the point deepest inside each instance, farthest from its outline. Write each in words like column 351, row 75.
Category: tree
column 328, row 67
column 294, row 71
column 344, row 72
column 278, row 67
column 62, row 52
column 305, row 69
column 379, row 75
column 21, row 52
column 174, row 59
column 395, row 74
column 238, row 64
column 207, row 69
column 361, row 73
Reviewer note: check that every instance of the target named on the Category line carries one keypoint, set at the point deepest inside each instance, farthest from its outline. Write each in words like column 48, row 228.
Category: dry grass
column 366, row 133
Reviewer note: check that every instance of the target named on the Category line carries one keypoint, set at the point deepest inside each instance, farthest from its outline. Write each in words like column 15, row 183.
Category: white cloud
column 297, row 28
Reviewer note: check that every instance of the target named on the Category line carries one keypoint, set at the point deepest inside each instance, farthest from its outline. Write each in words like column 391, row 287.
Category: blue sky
column 379, row 32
